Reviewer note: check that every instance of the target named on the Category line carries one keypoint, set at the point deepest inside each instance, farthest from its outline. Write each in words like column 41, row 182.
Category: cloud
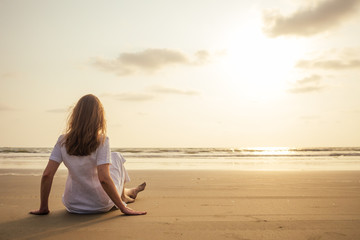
column 307, row 85
column 130, row 96
column 57, row 110
column 331, row 64
column 153, row 59
column 305, row 89
column 165, row 90
column 333, row 59
column 314, row 79
column 309, row 20
column 149, row 94
column 4, row 107
column 202, row 57
column 8, row 75
column 149, row 61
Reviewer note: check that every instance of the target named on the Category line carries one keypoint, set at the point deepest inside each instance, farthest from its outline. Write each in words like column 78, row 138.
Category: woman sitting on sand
column 96, row 177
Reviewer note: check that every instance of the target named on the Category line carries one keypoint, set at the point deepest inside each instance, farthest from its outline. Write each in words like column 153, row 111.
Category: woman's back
column 83, row 191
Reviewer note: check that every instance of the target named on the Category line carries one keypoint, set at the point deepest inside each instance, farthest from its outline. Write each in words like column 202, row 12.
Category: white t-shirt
column 83, row 191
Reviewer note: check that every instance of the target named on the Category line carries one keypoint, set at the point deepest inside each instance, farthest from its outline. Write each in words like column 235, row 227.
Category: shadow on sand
column 49, row 226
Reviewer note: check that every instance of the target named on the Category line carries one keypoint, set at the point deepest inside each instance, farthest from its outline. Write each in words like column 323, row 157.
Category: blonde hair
column 86, row 127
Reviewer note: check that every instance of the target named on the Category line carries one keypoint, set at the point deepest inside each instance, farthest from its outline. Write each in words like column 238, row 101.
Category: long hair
column 86, row 127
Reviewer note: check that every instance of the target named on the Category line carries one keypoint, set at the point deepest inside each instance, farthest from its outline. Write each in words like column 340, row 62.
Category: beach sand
column 197, row 205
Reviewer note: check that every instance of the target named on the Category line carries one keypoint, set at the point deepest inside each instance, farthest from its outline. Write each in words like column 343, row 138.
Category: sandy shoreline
column 197, row 205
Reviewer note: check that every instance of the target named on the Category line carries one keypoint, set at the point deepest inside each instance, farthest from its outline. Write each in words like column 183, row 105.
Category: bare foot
column 127, row 199
column 133, row 192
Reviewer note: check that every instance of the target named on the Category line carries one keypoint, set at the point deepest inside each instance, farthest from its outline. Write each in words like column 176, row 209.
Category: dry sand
column 197, row 205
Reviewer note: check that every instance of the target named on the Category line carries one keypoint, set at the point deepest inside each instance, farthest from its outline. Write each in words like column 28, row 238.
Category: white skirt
column 118, row 172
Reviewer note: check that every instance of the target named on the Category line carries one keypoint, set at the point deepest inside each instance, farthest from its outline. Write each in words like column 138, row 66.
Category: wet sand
column 196, row 205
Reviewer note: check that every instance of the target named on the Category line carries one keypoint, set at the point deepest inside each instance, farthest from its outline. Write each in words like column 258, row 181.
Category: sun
column 259, row 64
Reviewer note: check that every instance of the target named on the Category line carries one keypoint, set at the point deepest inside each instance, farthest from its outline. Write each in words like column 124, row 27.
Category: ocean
column 245, row 159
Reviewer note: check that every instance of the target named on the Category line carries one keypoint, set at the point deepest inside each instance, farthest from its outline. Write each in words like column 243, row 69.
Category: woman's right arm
column 109, row 187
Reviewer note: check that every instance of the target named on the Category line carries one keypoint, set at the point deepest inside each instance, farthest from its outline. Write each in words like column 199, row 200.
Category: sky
column 191, row 73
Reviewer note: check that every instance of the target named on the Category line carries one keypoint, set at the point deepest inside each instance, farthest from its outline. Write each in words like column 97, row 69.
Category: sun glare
column 270, row 150
column 259, row 64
